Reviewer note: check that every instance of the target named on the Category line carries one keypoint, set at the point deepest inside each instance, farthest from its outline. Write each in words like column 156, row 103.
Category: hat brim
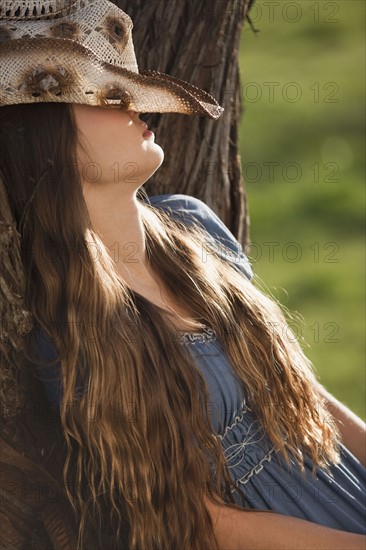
column 62, row 70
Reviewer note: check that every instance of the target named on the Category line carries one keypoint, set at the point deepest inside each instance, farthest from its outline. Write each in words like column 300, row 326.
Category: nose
column 133, row 114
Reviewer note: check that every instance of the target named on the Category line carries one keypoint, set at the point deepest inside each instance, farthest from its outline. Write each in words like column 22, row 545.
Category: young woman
column 189, row 411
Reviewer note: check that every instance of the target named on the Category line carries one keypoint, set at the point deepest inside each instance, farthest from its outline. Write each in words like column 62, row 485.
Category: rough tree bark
column 200, row 44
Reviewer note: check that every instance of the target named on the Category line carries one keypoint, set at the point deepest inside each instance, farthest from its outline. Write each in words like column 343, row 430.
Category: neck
column 117, row 219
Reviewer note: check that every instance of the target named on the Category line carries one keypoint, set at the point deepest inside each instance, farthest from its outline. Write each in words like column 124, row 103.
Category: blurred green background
column 302, row 144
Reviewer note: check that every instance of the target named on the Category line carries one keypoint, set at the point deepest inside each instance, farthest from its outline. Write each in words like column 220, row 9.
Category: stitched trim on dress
column 254, row 471
column 207, row 335
column 237, row 419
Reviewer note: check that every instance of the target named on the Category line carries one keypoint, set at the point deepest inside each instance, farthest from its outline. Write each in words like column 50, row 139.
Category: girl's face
column 116, row 151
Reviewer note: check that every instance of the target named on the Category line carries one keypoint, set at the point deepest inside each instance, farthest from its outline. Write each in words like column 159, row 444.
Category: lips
column 144, row 128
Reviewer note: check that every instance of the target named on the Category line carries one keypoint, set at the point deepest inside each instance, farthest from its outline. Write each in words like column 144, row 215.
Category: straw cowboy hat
column 81, row 51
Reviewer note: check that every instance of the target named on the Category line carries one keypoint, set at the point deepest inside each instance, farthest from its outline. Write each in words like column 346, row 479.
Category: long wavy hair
column 139, row 439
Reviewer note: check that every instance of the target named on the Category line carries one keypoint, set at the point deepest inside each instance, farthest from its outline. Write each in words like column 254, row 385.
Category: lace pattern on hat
column 33, row 9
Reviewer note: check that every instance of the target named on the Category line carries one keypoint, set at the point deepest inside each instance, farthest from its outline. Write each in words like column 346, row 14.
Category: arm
column 239, row 529
column 351, row 427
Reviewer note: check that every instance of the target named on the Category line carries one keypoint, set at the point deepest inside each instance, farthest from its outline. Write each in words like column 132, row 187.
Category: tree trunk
column 197, row 41
column 34, row 512
column 200, row 43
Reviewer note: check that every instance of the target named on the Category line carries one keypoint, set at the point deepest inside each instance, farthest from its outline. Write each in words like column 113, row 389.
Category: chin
column 149, row 162
column 156, row 158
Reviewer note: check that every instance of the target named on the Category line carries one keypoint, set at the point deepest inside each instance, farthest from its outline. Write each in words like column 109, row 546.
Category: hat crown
column 35, row 9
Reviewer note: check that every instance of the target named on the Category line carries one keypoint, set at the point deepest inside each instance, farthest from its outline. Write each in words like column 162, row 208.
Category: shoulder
column 193, row 211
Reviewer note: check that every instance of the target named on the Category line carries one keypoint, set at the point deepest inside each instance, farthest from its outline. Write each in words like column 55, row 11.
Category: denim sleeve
column 49, row 374
column 190, row 210
column 48, row 367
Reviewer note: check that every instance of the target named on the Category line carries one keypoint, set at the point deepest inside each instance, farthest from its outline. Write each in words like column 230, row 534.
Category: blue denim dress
column 337, row 500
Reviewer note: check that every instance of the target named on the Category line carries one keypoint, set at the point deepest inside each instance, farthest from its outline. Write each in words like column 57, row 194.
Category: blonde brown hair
column 139, row 439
